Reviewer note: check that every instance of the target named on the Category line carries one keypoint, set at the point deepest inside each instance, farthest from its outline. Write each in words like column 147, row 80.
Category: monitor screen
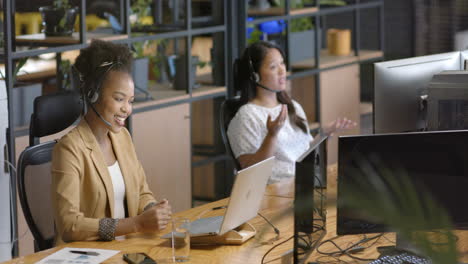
column 436, row 162
column 398, row 87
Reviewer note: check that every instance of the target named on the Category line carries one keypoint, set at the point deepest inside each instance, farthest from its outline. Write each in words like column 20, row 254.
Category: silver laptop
column 244, row 203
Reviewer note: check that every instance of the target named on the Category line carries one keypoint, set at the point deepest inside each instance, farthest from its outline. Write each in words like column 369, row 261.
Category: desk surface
column 276, row 205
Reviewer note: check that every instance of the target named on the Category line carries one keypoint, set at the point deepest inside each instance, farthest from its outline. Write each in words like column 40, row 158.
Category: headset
column 93, row 94
column 255, row 77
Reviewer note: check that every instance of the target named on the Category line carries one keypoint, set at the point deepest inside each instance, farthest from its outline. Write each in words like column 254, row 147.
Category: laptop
column 244, row 203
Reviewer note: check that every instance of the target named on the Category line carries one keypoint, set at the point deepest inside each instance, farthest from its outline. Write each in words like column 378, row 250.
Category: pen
column 90, row 253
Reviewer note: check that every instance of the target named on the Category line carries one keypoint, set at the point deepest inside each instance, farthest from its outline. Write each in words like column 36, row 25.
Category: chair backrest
column 228, row 110
column 34, row 188
column 52, row 114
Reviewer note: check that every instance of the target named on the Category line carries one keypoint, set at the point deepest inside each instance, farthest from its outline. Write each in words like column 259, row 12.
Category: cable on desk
column 388, row 239
column 275, row 246
column 336, row 260
column 348, row 251
column 271, row 224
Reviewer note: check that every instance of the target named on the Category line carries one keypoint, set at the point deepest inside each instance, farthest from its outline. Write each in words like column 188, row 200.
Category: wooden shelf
column 370, row 54
column 206, row 90
column 162, row 94
column 41, row 69
column 303, row 11
column 327, row 61
column 278, row 11
column 40, row 38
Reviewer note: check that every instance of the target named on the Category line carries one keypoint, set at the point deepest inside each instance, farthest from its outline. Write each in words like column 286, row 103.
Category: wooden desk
column 160, row 249
column 278, row 11
column 328, row 61
column 277, row 206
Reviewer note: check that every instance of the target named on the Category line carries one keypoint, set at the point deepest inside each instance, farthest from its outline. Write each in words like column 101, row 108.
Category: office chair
column 228, row 110
column 52, row 113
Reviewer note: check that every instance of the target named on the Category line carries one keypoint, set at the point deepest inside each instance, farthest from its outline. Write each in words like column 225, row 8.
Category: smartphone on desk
column 138, row 258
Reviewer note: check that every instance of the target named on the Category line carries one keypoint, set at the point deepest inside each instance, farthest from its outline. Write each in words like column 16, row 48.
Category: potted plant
column 158, row 62
column 58, row 19
column 140, row 13
column 23, row 95
column 140, row 67
column 302, row 35
column 301, row 38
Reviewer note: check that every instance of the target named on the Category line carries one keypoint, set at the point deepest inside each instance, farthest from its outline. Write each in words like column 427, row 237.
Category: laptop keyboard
column 206, row 225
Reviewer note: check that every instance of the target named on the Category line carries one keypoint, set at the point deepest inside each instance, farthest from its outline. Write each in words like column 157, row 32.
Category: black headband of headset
column 96, row 87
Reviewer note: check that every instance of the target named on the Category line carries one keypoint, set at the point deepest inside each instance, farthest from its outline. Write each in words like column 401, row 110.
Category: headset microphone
column 256, row 78
column 100, row 116
column 266, row 88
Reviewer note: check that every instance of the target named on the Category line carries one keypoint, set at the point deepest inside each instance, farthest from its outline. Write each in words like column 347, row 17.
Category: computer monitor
column 435, row 162
column 309, row 199
column 398, row 87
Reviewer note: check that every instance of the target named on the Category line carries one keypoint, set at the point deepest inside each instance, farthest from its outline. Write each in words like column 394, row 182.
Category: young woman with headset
column 99, row 186
column 269, row 123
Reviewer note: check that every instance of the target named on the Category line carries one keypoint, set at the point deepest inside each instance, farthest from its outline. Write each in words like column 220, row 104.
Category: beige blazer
column 82, row 191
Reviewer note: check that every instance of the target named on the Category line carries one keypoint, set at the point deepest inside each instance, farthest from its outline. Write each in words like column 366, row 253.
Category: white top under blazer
column 118, row 185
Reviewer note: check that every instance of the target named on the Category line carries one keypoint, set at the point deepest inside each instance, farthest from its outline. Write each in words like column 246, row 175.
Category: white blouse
column 119, row 190
column 248, row 129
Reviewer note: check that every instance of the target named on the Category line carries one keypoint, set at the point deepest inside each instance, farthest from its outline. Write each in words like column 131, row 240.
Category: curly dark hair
column 251, row 60
column 94, row 63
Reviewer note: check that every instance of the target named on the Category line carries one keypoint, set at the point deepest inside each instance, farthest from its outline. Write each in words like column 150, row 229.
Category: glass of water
column 180, row 239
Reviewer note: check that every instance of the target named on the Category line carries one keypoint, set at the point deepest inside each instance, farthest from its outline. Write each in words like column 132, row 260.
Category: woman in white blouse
column 269, row 123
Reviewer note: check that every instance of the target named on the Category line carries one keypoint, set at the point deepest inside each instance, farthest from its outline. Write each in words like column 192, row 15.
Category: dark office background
column 412, row 27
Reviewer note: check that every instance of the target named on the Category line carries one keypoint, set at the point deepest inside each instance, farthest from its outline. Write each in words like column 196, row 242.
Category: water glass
column 180, row 239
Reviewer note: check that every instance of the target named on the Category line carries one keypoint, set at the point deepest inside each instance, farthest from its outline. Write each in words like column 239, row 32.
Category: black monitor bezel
column 378, row 228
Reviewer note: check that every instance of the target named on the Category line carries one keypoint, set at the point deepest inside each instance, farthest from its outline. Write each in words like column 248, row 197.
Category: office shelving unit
column 320, row 82
column 196, row 110
column 319, row 15
column 182, row 106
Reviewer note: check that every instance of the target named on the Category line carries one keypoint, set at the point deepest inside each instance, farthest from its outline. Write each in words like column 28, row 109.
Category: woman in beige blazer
column 99, row 186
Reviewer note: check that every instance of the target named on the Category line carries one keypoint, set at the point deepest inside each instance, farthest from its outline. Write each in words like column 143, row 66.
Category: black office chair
column 228, row 110
column 52, row 113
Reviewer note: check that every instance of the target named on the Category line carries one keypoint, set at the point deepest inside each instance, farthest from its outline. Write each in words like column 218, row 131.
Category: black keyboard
column 402, row 258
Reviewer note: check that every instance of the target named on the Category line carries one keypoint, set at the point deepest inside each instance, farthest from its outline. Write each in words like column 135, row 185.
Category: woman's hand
column 338, row 125
column 155, row 218
column 275, row 126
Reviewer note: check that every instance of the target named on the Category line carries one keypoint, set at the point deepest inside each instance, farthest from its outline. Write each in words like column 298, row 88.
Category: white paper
column 65, row 256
